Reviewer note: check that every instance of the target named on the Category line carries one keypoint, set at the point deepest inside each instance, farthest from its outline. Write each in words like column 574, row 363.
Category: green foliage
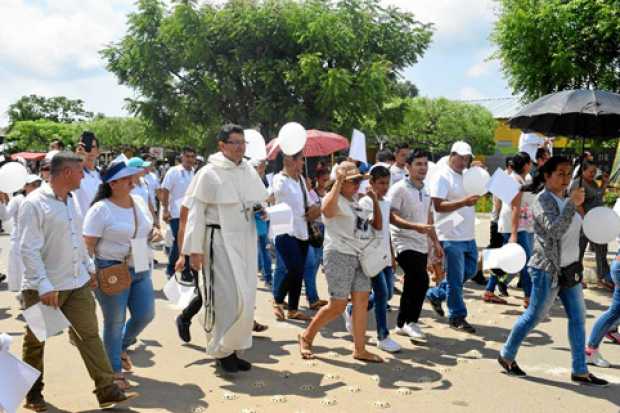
column 56, row 109
column 485, row 204
column 551, row 45
column 327, row 64
column 35, row 135
column 610, row 198
column 437, row 123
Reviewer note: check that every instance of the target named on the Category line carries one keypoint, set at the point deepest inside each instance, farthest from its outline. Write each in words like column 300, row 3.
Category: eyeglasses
column 236, row 143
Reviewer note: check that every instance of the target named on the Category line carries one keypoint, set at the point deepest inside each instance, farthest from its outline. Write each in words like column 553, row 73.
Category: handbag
column 116, row 278
column 571, row 275
column 315, row 235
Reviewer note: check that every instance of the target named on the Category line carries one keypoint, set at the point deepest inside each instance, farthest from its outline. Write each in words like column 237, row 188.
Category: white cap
column 461, row 148
column 32, row 178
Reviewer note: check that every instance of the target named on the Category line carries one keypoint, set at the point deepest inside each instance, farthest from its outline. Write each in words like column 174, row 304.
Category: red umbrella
column 29, row 156
column 319, row 143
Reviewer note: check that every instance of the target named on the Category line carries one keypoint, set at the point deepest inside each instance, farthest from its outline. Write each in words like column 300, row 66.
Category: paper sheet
column 280, row 219
column 503, row 186
column 15, row 381
column 357, row 149
column 178, row 295
column 45, row 321
column 447, row 224
column 140, row 254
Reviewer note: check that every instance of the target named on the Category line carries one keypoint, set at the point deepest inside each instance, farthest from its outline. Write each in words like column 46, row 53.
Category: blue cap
column 137, row 162
column 119, row 170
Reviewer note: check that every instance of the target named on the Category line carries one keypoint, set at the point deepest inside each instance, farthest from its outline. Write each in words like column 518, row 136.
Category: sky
column 50, row 48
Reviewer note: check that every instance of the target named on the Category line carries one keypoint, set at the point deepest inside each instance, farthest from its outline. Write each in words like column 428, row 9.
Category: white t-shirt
column 526, row 216
column 384, row 204
column 176, row 181
column 287, row 190
column 570, row 239
column 529, row 143
column 397, row 173
column 142, row 191
column 349, row 229
column 448, row 185
column 413, row 205
column 114, row 226
column 87, row 190
column 152, row 182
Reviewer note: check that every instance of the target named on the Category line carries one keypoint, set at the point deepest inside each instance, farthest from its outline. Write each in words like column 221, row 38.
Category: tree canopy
column 327, row 64
column 437, row 123
column 551, row 45
column 56, row 109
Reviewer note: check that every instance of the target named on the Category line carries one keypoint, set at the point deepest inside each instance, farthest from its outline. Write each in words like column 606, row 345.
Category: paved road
column 451, row 372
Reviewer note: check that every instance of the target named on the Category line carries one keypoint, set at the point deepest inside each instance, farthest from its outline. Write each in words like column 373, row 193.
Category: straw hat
column 351, row 172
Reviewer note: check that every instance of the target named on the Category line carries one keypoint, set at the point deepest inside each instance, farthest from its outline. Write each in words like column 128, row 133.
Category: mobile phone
column 86, row 140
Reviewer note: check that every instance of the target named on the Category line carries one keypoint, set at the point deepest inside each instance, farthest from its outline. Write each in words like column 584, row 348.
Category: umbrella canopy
column 319, row 143
column 29, row 156
column 573, row 113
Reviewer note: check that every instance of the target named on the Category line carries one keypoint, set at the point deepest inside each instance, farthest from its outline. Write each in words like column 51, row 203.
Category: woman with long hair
column 553, row 268
column 115, row 225
column 516, row 224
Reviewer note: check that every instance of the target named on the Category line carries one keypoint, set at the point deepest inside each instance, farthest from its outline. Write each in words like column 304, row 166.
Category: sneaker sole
column 111, row 405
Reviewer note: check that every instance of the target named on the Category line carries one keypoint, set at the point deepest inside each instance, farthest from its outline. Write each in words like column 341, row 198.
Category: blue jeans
column 543, row 297
column 378, row 299
column 525, row 240
column 264, row 259
column 279, row 274
column 609, row 318
column 313, row 261
column 293, row 253
column 139, row 299
column 462, row 264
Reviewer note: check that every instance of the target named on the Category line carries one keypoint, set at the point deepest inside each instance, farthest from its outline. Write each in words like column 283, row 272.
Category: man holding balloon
column 455, row 217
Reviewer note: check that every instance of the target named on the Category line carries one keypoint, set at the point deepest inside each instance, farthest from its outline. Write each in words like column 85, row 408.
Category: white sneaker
column 347, row 321
column 411, row 330
column 595, row 358
column 389, row 345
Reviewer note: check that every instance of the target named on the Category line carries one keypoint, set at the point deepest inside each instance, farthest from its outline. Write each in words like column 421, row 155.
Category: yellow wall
column 507, row 138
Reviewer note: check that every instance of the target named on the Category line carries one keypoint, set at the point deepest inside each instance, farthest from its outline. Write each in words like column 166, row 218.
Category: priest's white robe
column 223, row 193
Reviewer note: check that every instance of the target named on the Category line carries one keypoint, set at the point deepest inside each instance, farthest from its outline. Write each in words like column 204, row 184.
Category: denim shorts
column 344, row 275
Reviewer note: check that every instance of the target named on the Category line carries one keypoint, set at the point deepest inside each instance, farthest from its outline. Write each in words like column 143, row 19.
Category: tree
column 35, row 135
column 550, row 45
column 327, row 64
column 56, row 109
column 437, row 123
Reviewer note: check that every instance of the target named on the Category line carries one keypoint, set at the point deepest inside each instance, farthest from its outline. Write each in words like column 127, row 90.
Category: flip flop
column 306, row 353
column 278, row 311
column 369, row 358
column 298, row 315
column 126, row 362
column 493, row 299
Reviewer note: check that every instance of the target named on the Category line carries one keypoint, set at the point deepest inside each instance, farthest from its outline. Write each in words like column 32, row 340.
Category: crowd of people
column 83, row 233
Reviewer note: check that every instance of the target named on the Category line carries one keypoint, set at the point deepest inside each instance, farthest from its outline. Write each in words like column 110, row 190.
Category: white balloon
column 255, row 148
column 475, row 181
column 601, row 225
column 12, row 177
column 292, row 138
column 512, row 258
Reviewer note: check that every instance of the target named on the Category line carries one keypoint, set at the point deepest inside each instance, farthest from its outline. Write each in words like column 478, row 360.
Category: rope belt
column 208, row 295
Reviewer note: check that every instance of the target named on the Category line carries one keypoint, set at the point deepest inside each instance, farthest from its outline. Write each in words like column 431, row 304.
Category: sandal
column 298, row 315
column 317, row 304
column 258, row 327
column 126, row 362
column 368, row 357
column 305, row 348
column 278, row 311
column 489, row 297
column 122, row 382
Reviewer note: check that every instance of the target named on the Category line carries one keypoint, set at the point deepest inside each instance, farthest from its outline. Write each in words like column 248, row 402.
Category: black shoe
column 591, row 380
column 463, row 325
column 503, row 289
column 436, row 304
column 512, row 369
column 229, row 364
column 183, row 329
column 112, row 395
column 2, row 277
column 242, row 365
column 479, row 279
column 36, row 403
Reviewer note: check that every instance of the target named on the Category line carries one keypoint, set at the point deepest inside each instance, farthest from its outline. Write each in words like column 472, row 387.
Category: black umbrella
column 573, row 113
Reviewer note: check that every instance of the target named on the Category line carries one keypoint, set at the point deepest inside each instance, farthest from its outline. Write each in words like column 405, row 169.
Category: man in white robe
column 221, row 238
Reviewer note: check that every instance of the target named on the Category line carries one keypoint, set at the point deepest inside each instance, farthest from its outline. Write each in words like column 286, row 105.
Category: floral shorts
column 344, row 275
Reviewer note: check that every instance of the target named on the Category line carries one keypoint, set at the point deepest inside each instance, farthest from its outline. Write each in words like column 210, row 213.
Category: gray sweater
column 549, row 226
